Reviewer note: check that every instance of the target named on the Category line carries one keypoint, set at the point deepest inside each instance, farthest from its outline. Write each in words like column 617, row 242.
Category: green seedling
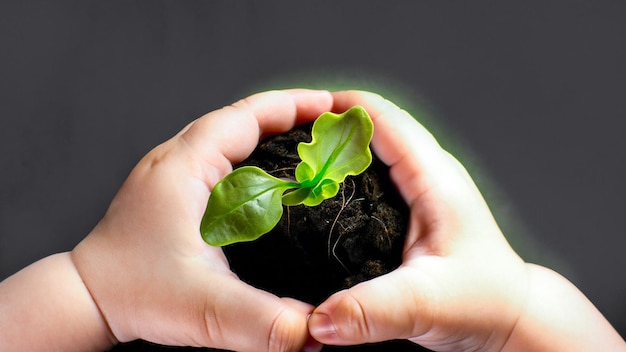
column 248, row 202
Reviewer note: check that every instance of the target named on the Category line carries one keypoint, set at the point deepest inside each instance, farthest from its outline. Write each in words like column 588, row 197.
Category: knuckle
column 283, row 334
column 244, row 103
column 356, row 322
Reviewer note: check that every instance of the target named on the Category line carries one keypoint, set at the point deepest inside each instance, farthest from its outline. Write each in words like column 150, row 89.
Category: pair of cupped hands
column 460, row 285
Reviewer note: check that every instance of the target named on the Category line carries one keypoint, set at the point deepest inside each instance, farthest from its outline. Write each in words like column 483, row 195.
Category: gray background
column 529, row 94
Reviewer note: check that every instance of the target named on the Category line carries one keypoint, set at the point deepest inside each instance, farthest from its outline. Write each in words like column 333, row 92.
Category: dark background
column 530, row 95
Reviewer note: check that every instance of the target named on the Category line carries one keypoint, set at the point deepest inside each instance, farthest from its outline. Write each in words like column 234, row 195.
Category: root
column 344, row 203
column 281, row 169
column 384, row 227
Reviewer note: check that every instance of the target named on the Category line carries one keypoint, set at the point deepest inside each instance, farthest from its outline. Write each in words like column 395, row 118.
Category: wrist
column 101, row 326
column 46, row 306
column 558, row 317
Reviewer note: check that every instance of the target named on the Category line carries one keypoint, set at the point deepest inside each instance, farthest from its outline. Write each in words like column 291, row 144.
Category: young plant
column 248, row 202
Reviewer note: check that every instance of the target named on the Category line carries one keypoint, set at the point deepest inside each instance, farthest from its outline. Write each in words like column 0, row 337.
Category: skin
column 144, row 271
column 460, row 287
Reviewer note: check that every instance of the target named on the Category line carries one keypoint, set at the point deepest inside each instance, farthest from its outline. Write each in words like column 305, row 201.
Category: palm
column 455, row 260
column 180, row 290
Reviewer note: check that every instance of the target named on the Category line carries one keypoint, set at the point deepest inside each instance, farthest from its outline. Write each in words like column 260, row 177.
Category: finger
column 228, row 135
column 381, row 309
column 405, row 145
column 242, row 318
column 432, row 182
column 388, row 118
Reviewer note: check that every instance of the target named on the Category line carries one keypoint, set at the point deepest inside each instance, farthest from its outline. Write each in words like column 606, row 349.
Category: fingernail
column 322, row 327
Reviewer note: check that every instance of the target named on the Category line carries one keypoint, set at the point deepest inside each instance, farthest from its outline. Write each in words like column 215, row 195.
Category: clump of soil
column 316, row 251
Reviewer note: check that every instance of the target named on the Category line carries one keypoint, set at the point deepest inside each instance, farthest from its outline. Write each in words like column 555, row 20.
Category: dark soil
column 316, row 251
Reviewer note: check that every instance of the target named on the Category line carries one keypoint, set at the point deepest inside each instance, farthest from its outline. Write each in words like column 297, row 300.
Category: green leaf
column 339, row 147
column 243, row 206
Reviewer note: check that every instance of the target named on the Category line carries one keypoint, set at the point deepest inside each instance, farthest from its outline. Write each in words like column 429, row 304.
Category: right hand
column 460, row 286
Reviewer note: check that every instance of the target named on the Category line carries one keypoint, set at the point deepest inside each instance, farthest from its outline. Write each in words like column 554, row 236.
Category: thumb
column 244, row 318
column 381, row 309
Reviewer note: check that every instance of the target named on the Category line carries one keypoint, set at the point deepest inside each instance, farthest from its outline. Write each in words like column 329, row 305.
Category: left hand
column 146, row 265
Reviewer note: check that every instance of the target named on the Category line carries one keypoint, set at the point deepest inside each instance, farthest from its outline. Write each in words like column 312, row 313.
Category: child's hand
column 145, row 263
column 460, row 287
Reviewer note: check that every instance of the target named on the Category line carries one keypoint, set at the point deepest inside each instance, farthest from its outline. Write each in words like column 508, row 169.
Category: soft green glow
column 425, row 112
